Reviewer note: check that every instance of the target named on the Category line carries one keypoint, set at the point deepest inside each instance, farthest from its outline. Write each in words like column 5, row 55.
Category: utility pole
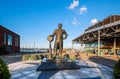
column 34, row 45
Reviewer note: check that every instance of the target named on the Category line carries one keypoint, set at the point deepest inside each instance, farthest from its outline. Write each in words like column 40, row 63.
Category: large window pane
column 16, row 41
column 4, row 38
column 9, row 39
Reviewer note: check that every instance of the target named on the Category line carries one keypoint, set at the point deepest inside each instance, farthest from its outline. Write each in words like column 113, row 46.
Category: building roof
column 9, row 30
column 105, row 21
column 106, row 24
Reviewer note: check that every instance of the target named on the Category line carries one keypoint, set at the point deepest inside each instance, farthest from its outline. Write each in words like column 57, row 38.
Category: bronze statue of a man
column 60, row 35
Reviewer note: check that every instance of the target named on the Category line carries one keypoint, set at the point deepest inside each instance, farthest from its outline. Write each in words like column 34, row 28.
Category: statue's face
column 59, row 26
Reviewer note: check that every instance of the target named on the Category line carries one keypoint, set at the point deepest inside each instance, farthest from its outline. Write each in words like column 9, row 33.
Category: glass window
column 9, row 39
column 4, row 38
column 16, row 41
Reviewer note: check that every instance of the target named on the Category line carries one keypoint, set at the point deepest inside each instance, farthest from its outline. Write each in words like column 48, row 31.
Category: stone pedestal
column 50, row 65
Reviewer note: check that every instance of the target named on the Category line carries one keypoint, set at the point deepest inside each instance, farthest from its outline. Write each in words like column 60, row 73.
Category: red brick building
column 9, row 40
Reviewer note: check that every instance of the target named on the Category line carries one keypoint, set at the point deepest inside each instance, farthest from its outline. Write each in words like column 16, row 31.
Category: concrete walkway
column 88, row 70
column 24, row 70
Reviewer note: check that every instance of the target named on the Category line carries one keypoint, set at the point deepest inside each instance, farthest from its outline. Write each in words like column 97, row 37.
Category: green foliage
column 40, row 57
column 46, row 56
column 66, row 56
column 25, row 57
column 72, row 57
column 3, row 51
column 116, row 70
column 4, row 72
column 32, row 57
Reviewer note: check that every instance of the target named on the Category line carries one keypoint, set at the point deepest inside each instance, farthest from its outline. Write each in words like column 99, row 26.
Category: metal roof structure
column 109, row 27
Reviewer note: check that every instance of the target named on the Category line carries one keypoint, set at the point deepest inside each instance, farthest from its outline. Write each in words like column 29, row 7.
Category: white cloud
column 75, row 21
column 93, row 21
column 83, row 10
column 74, row 4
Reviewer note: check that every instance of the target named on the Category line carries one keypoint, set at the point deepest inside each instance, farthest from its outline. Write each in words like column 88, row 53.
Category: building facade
column 9, row 40
column 102, row 37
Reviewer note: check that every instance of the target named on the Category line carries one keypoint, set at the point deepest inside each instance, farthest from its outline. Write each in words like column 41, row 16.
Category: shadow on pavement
column 12, row 58
column 47, row 74
column 104, row 61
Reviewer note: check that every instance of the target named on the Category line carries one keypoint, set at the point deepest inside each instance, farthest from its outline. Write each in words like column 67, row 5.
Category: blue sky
column 34, row 20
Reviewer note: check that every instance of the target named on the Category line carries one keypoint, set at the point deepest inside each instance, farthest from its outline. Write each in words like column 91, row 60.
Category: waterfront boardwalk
column 92, row 67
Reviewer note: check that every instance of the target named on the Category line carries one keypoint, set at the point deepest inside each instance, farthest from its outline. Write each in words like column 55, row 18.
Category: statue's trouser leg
column 55, row 52
column 60, row 45
column 60, row 53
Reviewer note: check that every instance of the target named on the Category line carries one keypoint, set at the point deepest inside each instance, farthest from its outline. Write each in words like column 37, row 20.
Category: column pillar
column 98, row 53
column 114, row 46
column 81, row 48
column 72, row 46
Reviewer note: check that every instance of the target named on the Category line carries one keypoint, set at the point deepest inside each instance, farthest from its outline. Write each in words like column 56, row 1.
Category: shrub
column 25, row 57
column 4, row 72
column 66, row 56
column 40, row 57
column 3, row 51
column 33, row 57
column 116, row 70
column 72, row 57
column 46, row 56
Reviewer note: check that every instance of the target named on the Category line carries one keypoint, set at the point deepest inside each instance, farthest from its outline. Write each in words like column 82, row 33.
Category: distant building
column 9, row 40
column 102, row 37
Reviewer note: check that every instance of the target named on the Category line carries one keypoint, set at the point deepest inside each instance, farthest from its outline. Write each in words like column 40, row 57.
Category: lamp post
column 34, row 45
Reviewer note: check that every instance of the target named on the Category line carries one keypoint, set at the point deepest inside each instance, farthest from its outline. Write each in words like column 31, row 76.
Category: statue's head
column 59, row 25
